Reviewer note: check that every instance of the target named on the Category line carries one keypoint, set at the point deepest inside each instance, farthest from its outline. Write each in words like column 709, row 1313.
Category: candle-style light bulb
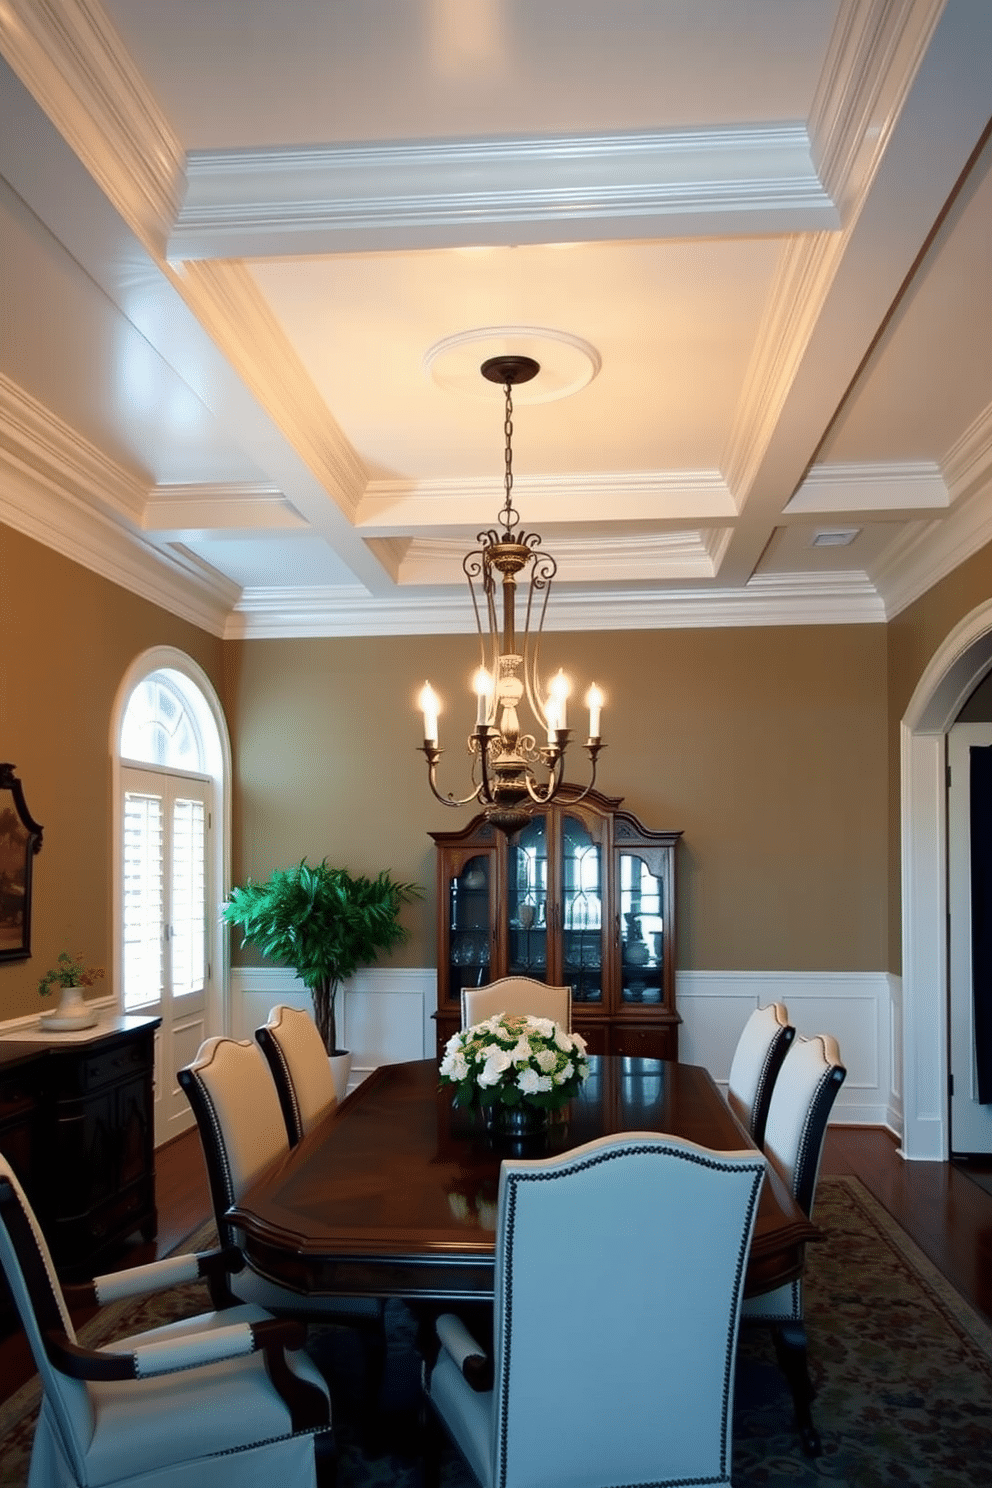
column 482, row 684
column 430, row 705
column 594, row 702
column 559, row 690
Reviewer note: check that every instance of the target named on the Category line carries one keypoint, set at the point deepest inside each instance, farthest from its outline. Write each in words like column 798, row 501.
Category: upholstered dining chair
column 762, row 1046
column 805, row 1090
column 297, row 1059
column 635, row 1326
column 515, row 994
column 226, row 1398
column 242, row 1130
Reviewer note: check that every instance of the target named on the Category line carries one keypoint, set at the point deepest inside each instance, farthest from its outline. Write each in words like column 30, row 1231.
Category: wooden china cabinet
column 583, row 896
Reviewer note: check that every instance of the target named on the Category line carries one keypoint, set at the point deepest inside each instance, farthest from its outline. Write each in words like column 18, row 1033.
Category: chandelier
column 511, row 773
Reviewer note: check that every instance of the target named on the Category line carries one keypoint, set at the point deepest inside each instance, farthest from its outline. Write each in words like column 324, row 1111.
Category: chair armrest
column 155, row 1276
column 469, row 1355
column 171, row 1355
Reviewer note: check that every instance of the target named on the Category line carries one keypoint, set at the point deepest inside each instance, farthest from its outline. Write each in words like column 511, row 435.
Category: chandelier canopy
column 511, row 772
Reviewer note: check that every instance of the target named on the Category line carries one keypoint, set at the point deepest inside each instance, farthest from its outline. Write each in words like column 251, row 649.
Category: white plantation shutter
column 165, row 887
column 143, row 899
column 188, row 897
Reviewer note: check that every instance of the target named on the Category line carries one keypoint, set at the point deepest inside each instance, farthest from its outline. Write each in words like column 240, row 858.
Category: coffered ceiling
column 252, row 257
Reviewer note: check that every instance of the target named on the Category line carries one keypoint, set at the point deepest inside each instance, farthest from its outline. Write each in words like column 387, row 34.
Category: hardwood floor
column 946, row 1213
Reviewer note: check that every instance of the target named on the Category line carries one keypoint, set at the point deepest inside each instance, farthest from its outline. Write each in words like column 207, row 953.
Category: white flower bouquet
column 514, row 1060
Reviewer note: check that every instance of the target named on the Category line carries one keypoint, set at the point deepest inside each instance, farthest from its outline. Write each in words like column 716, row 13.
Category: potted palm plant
column 323, row 922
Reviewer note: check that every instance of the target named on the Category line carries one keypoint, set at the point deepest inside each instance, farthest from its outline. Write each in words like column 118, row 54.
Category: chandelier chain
column 508, row 455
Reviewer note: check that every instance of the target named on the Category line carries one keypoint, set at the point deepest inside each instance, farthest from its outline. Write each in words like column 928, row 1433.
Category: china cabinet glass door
column 469, row 921
column 641, row 927
column 582, row 911
column 527, row 901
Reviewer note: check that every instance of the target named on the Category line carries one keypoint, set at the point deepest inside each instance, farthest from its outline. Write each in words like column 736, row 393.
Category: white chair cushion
column 135, row 1421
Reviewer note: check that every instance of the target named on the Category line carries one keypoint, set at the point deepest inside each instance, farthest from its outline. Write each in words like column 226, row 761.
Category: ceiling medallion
column 566, row 364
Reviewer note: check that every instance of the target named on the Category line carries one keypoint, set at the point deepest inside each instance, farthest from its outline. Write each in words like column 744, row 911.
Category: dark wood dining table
column 394, row 1192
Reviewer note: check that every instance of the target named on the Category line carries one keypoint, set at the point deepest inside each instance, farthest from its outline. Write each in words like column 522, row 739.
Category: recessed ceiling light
column 835, row 537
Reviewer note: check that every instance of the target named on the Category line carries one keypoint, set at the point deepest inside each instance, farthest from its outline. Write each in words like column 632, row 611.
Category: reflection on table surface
column 395, row 1192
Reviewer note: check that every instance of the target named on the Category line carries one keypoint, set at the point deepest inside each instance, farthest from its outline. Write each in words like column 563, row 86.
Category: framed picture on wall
column 20, row 839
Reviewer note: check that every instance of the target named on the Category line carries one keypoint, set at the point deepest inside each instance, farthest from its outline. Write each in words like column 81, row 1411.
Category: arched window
column 172, row 765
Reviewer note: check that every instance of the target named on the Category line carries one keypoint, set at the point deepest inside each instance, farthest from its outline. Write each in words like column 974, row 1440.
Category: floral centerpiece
column 514, row 1063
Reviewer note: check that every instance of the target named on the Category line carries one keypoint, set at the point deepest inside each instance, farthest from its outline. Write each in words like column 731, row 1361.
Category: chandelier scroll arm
column 433, row 754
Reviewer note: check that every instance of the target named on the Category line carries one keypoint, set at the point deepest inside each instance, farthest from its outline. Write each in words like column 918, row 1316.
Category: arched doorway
column 952, row 674
column 171, row 834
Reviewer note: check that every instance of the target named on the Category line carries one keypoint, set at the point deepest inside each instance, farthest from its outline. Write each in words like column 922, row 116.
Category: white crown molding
column 874, row 56
column 926, row 552
column 875, row 52
column 255, row 203
column 229, row 305
column 60, row 491
column 68, row 56
column 33, row 439
column 968, row 463
column 219, row 508
column 784, row 599
column 910, row 486
column 648, row 495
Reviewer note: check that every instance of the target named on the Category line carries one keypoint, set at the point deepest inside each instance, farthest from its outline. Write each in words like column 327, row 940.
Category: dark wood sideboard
column 77, row 1126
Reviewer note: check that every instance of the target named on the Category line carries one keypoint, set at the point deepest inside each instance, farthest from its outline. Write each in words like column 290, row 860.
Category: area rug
column 902, row 1367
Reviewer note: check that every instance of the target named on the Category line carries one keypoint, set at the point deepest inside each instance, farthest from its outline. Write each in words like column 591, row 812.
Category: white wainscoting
column 861, row 1010
column 384, row 1016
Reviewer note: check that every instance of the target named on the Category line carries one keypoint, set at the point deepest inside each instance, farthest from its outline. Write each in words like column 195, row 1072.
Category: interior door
column 167, row 821
column 971, row 1123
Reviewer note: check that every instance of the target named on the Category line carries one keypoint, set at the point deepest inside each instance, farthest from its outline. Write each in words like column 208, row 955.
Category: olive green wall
column 767, row 746
column 915, row 635
column 68, row 637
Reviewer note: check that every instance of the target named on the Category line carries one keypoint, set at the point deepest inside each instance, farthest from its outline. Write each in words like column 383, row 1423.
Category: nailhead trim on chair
column 274, row 1052
column 544, row 1176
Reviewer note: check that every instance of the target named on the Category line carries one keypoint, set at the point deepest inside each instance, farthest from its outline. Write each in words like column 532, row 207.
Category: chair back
column 297, row 1059
column 806, row 1088
column 239, row 1117
column 637, row 1322
column 34, row 1285
column 757, row 1060
column 517, row 995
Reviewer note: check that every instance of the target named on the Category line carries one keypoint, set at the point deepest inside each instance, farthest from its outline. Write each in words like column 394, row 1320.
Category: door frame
column 960, row 662
column 217, row 750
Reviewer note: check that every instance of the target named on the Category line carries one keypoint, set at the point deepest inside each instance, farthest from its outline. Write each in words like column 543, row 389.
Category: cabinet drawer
column 647, row 1043
column 113, row 1064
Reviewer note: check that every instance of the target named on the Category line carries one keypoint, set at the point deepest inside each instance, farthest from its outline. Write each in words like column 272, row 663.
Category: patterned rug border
column 959, row 1310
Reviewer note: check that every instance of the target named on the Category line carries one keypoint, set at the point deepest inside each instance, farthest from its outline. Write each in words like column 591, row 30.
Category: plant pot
column 340, row 1071
column 73, row 1012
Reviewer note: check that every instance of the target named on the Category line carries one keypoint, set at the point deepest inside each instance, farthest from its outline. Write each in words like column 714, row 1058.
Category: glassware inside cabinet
column 469, row 926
